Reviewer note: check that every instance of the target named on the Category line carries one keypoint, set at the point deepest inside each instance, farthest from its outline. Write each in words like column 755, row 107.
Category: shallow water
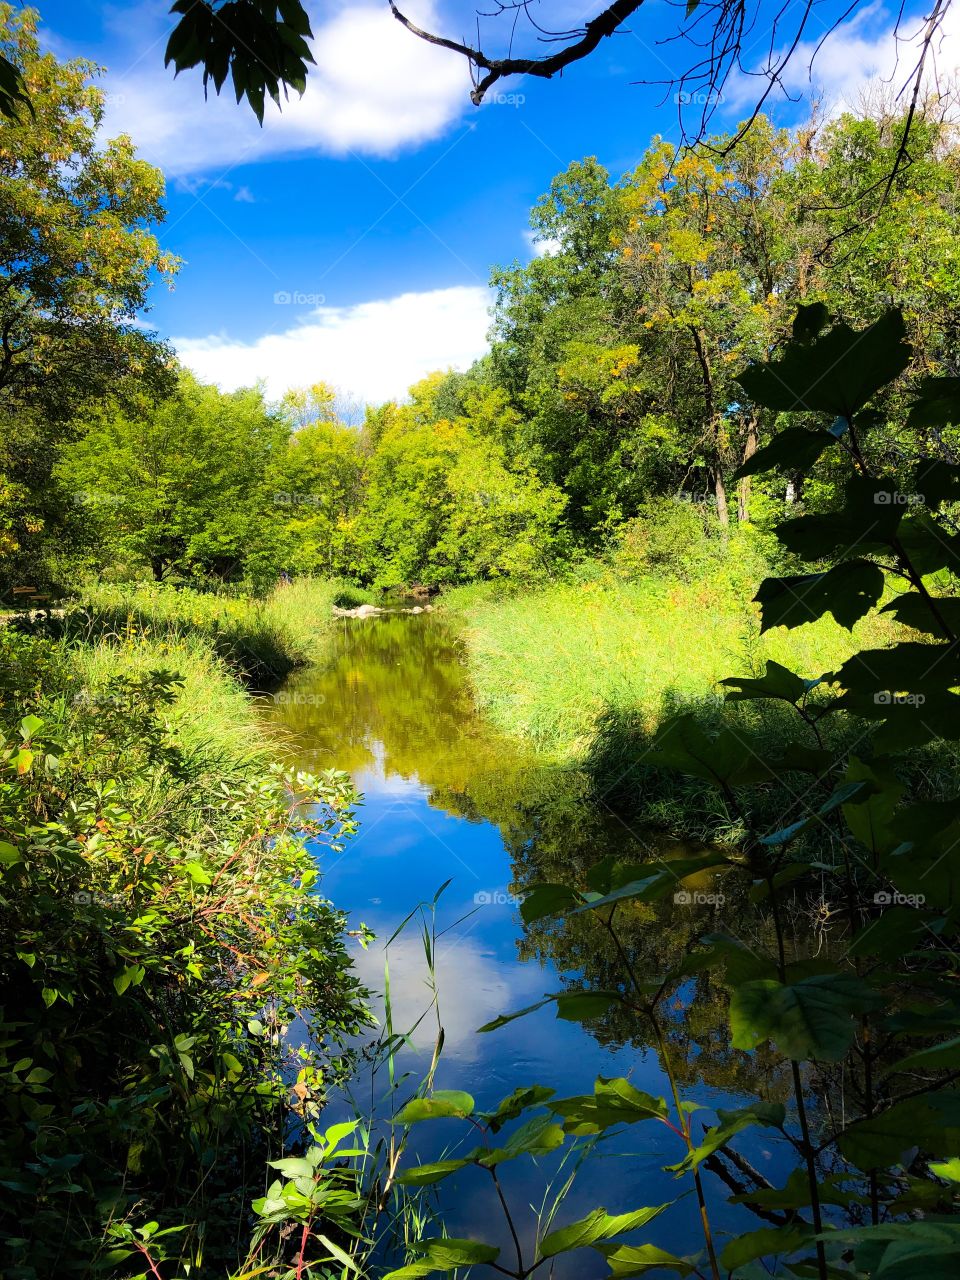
column 448, row 798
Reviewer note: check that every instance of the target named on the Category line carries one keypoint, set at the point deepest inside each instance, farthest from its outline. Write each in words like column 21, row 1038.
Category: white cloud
column 541, row 246
column 372, row 351
column 859, row 55
column 375, row 89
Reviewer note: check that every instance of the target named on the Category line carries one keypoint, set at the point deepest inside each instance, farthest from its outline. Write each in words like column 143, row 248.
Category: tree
column 77, row 255
column 444, row 504
column 183, row 485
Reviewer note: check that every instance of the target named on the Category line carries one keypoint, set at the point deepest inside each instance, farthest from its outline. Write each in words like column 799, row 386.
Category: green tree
column 77, row 256
column 183, row 485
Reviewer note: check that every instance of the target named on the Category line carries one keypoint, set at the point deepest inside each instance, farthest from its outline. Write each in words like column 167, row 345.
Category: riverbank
column 160, row 926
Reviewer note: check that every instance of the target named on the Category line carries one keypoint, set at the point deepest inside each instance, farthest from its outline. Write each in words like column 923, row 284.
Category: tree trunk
column 743, row 486
column 720, row 493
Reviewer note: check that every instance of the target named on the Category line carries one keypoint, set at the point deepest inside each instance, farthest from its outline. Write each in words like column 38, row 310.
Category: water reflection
column 446, row 797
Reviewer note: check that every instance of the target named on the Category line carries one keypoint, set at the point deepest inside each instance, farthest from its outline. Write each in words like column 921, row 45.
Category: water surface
column 448, row 798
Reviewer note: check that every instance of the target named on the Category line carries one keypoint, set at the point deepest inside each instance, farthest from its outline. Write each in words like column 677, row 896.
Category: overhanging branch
column 597, row 29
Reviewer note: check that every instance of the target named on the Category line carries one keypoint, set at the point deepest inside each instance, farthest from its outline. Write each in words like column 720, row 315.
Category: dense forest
column 692, row 521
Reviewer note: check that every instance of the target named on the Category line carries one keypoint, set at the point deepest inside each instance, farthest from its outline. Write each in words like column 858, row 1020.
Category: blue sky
column 351, row 239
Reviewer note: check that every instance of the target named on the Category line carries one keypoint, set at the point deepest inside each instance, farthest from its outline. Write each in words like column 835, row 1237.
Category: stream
column 446, row 797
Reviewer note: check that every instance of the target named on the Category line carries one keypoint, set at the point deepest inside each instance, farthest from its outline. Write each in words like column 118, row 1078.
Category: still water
column 448, row 798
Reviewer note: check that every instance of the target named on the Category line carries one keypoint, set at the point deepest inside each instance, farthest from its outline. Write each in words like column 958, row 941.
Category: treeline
column 606, row 416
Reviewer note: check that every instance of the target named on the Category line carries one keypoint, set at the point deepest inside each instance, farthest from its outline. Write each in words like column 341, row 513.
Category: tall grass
column 550, row 665
column 261, row 639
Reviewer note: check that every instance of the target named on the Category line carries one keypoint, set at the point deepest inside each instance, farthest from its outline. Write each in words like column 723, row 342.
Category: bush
column 669, row 537
column 159, row 931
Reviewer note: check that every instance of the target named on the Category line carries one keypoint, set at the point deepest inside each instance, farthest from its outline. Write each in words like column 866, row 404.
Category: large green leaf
column 869, row 812
column 539, row 1136
column 598, row 1225
column 727, row 757
column 765, row 1243
column 640, row 1259
column 766, row 1114
column 810, row 1018
column 776, row 682
column 836, row 374
column 795, row 449
column 937, row 403
column 912, row 610
column 867, row 522
column 514, row 1104
column 614, row 1101
column 849, row 591
column 930, row 1122
column 441, row 1103
column 444, row 1254
column 909, row 667
column 424, row 1175
column 547, row 900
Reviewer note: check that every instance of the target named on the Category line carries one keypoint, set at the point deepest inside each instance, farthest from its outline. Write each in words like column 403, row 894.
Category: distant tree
column 184, row 486
column 445, row 504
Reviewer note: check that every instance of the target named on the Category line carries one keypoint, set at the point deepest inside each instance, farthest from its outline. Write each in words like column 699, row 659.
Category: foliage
column 161, row 928
column 68, row 199
column 878, row 1005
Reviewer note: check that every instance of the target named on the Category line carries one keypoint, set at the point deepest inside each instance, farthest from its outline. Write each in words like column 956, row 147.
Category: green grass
column 262, row 639
column 549, row 666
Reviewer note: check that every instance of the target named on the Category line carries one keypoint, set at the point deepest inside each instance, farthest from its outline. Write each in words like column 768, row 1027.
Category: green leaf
column 795, row 449
column 937, row 403
column 539, row 1136
column 949, row 1170
column 930, row 1122
column 811, row 319
column 935, row 1057
column 911, row 609
column 427, row 1174
column 840, row 796
column 765, row 1243
column 639, row 1259
column 547, row 900
column 598, row 1225
column 766, row 1114
column 197, row 873
column 10, row 855
column 776, row 682
column 849, row 591
column 811, row 1018
column 614, row 1101
column 517, row 1102
column 869, row 811
column 866, row 522
column 836, row 374
column 726, row 758
column 442, row 1103
column 30, row 727
column 444, row 1254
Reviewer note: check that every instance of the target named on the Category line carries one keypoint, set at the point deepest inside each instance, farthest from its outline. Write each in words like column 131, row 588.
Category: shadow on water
column 447, row 797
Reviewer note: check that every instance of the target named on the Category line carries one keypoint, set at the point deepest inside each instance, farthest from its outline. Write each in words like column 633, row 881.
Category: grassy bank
column 261, row 639
column 550, row 665
column 159, row 929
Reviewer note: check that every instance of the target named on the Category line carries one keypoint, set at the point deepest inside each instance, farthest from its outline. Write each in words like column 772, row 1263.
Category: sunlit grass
column 547, row 665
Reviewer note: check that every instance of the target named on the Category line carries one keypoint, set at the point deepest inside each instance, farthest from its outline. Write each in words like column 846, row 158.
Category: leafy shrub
column 669, row 537
column 159, row 931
